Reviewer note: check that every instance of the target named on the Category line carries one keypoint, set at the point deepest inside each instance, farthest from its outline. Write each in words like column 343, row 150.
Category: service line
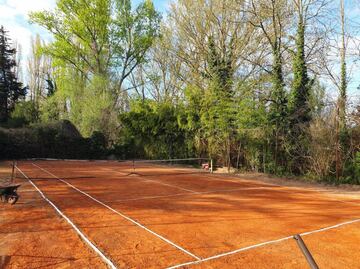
column 121, row 214
column 138, row 177
column 190, row 194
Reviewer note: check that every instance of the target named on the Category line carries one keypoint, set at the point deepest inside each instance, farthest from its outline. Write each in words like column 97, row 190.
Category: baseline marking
column 264, row 243
column 122, row 215
column 77, row 230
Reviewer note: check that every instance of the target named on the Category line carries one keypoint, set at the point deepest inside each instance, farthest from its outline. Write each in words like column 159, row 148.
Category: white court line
column 169, row 185
column 155, row 181
column 189, row 194
column 263, row 244
column 77, row 230
column 122, row 215
column 330, row 227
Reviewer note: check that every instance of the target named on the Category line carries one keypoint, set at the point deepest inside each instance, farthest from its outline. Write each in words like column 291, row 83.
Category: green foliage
column 278, row 112
column 299, row 105
column 217, row 79
column 217, row 104
column 357, row 168
column 91, row 111
column 133, row 32
column 50, row 110
column 52, row 140
column 81, row 32
column 252, row 130
column 11, row 90
column 97, row 45
column 317, row 99
column 24, row 113
column 152, row 130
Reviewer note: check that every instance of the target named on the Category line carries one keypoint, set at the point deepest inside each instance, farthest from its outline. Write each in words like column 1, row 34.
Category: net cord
column 170, row 160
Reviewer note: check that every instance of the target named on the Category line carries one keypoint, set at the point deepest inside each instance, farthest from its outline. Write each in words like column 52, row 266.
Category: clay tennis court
column 82, row 214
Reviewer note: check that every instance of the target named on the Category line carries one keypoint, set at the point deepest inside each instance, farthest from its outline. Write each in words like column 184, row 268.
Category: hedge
column 55, row 140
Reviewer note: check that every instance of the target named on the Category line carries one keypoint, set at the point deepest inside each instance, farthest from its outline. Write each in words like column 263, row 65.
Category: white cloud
column 7, row 12
column 23, row 7
column 14, row 18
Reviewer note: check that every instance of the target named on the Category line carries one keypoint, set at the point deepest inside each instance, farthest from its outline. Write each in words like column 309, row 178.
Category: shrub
column 321, row 148
column 53, row 140
column 24, row 113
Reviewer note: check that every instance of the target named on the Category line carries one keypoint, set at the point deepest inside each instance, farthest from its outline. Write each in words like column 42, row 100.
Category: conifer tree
column 10, row 88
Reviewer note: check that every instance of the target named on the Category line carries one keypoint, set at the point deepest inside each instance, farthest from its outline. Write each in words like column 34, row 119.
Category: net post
column 133, row 165
column 13, row 171
column 211, row 166
column 306, row 252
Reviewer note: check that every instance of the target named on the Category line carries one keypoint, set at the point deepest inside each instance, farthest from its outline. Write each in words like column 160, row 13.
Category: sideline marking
column 78, row 231
column 120, row 214
column 264, row 243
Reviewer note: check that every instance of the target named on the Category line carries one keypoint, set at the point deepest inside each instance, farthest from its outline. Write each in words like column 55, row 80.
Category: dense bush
column 357, row 168
column 152, row 130
column 24, row 113
column 55, row 140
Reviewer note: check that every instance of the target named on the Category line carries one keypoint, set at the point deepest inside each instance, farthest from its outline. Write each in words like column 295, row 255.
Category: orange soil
column 204, row 214
column 333, row 249
column 32, row 235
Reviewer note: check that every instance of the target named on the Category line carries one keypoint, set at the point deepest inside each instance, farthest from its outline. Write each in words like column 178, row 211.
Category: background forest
column 259, row 85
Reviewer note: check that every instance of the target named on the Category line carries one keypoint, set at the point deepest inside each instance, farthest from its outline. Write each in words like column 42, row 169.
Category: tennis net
column 6, row 172
column 168, row 166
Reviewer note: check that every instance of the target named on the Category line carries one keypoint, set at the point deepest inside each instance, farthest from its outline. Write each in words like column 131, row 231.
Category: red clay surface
column 202, row 214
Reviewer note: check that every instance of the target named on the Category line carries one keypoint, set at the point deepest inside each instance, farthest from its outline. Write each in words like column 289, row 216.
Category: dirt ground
column 159, row 217
column 32, row 235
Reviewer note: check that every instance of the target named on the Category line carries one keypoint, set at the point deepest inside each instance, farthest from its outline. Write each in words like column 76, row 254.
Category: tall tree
column 191, row 25
column 159, row 78
column 41, row 83
column 219, row 102
column 97, row 44
column 10, row 88
column 300, row 96
column 300, row 92
column 132, row 35
column 271, row 18
column 210, row 40
column 81, row 34
column 342, row 100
